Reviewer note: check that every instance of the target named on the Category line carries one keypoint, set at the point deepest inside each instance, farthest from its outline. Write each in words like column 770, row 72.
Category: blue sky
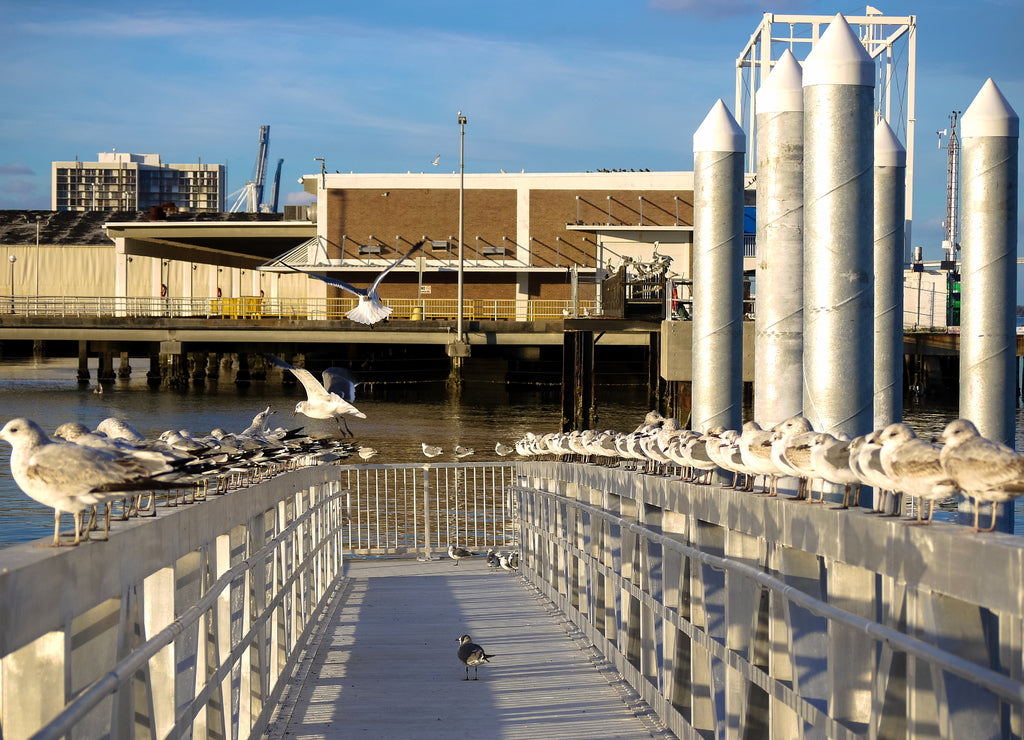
column 558, row 86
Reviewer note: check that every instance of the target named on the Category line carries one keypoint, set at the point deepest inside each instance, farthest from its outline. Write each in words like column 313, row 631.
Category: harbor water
column 399, row 418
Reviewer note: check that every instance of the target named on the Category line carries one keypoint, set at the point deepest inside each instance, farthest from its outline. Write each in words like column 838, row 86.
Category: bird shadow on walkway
column 387, row 664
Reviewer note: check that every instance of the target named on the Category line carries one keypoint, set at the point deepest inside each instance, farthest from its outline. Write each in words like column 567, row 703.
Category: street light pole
column 38, row 268
column 13, row 259
column 462, row 216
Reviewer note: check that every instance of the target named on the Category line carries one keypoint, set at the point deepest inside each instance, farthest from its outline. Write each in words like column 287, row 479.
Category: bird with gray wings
column 369, row 309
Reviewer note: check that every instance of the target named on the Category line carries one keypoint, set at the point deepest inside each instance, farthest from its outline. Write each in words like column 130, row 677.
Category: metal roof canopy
column 242, row 244
column 890, row 40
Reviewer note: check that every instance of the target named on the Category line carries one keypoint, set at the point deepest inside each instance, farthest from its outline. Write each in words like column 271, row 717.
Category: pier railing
column 255, row 308
column 188, row 623
column 736, row 615
column 421, row 509
column 182, row 625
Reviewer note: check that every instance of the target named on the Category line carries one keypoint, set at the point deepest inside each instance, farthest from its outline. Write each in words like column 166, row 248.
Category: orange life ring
column 163, row 290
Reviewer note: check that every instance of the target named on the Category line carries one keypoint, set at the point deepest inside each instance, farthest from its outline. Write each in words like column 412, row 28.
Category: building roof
column 88, row 228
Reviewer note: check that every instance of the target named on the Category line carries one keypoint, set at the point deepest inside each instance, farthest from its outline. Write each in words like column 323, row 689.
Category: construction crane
column 272, row 206
column 250, row 196
column 951, row 244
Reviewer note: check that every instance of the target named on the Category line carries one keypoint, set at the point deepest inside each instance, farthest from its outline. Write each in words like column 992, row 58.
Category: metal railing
column 256, row 308
column 735, row 615
column 409, row 509
column 187, row 624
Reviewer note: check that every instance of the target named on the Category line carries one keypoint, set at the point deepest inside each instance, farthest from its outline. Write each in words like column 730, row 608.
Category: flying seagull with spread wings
column 369, row 310
column 319, row 403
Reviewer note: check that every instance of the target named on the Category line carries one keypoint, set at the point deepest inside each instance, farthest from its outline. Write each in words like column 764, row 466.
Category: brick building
column 526, row 235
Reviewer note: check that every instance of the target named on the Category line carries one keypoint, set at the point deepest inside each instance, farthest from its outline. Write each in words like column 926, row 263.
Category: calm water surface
column 398, row 419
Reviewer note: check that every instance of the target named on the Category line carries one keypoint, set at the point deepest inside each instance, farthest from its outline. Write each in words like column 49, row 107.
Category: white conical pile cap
column 839, row 58
column 889, row 152
column 782, row 91
column 719, row 132
column 990, row 115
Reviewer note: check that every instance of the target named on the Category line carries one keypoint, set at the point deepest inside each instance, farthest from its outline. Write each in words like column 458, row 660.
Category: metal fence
column 736, row 615
column 410, row 509
column 255, row 308
column 187, row 624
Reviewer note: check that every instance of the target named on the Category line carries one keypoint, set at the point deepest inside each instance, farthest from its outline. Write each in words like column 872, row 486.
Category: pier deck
column 384, row 663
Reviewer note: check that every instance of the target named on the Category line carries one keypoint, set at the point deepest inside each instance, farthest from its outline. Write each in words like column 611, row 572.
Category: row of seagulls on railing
column 80, row 470
column 893, row 460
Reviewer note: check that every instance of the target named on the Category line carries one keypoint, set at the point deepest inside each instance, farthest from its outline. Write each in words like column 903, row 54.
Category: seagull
column 493, row 560
column 472, row 655
column 436, row 160
column 431, row 451
column 509, row 562
column 69, row 477
column 458, row 553
column 502, row 449
column 461, row 451
column 915, row 466
column 366, row 452
column 117, row 429
column 983, row 469
column 339, row 380
column 319, row 404
column 830, row 458
column 370, row 310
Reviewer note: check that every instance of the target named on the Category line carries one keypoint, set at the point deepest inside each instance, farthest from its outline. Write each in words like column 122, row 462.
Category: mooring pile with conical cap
column 890, row 235
column 838, row 87
column 779, row 265
column 718, row 147
column 988, row 343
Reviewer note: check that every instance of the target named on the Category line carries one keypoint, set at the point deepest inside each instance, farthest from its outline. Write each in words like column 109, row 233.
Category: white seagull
column 369, row 310
column 458, row 553
column 319, row 404
column 431, row 450
column 981, row 468
column 69, row 477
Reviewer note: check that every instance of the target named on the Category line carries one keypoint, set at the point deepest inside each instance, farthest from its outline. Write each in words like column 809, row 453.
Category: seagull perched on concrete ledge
column 458, row 553
column 472, row 655
column 369, row 310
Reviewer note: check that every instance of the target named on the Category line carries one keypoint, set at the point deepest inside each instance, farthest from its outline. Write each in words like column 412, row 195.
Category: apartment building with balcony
column 121, row 181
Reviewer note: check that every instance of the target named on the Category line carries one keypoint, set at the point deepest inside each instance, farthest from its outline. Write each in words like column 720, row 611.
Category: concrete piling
column 778, row 318
column 838, row 88
column 718, row 148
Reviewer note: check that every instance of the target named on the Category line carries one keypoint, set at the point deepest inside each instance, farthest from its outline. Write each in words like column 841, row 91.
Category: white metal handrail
column 410, row 509
column 703, row 598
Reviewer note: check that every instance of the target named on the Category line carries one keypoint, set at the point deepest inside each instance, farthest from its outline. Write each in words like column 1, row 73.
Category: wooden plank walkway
column 385, row 665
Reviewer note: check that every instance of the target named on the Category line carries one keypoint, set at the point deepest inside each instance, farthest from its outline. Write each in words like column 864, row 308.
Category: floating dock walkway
column 384, row 663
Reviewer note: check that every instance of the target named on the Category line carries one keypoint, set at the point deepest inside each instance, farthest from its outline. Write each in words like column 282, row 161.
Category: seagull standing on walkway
column 319, row 404
column 472, row 655
column 369, row 310
column 458, row 553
